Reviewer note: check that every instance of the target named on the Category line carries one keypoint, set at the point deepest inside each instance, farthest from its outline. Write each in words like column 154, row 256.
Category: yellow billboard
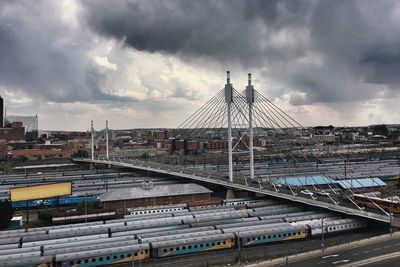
column 40, row 191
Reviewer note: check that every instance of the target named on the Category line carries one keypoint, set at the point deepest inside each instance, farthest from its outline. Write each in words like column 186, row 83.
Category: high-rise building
column 30, row 123
column 1, row 112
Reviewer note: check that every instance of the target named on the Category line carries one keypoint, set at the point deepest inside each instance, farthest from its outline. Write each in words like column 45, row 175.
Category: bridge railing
column 239, row 180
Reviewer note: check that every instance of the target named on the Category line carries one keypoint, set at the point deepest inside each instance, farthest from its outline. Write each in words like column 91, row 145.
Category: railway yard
column 227, row 231
column 161, row 232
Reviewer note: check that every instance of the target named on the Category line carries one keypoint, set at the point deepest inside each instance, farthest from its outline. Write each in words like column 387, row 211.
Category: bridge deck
column 219, row 180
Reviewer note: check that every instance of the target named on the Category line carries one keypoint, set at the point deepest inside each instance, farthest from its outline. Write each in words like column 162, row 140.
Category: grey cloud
column 357, row 44
column 45, row 59
column 223, row 30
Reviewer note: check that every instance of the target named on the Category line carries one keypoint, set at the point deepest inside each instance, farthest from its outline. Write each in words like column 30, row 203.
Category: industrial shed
column 149, row 195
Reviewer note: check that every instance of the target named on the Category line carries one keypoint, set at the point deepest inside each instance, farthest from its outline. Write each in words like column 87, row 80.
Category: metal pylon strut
column 103, row 135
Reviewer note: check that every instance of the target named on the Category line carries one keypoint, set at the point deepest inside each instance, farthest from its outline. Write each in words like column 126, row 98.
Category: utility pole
column 391, row 216
column 250, row 101
column 229, row 100
column 107, row 153
column 92, row 137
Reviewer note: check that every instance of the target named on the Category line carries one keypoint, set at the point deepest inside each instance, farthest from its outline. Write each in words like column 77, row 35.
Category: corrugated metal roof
column 305, row 180
column 359, row 183
column 156, row 191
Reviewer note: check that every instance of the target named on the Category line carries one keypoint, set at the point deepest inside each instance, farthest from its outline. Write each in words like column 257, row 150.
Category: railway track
column 246, row 255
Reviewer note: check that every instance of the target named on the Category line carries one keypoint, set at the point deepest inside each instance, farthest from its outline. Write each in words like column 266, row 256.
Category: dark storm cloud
column 223, row 30
column 356, row 42
column 39, row 56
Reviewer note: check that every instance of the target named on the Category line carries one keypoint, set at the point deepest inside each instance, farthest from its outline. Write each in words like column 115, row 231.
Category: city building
column 12, row 134
column 30, row 123
column 3, row 149
column 39, row 154
column 324, row 134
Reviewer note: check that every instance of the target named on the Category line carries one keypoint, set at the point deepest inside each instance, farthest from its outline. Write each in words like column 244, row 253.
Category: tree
column 6, row 212
column 380, row 130
column 90, row 205
column 81, row 154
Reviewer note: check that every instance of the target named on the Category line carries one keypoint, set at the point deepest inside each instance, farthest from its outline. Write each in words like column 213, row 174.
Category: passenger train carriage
column 263, row 236
column 192, row 245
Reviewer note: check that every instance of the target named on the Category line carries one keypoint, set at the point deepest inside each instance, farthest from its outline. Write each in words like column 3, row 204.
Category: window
column 79, row 262
column 184, row 247
column 207, row 244
column 189, row 247
column 201, row 245
column 218, row 243
column 115, row 257
column 86, row 261
column 135, row 254
column 279, row 235
column 177, row 248
column 101, row 259
column 141, row 252
column 165, row 250
column 171, row 249
column 274, row 236
column 195, row 246
column 93, row 260
column 71, row 263
column 258, row 238
column 129, row 254
column 108, row 258
column 269, row 237
column 121, row 256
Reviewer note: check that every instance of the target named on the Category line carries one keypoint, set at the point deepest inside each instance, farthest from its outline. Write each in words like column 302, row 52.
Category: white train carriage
column 179, row 236
column 336, row 226
column 248, row 223
column 255, row 227
column 155, row 230
column 310, row 217
column 175, row 232
column 258, row 213
column 159, row 209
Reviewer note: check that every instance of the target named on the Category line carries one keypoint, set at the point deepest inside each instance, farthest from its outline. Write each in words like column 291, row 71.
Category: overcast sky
column 153, row 63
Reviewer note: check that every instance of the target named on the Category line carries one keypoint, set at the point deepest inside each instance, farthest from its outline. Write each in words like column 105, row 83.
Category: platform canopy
column 360, row 183
column 305, row 180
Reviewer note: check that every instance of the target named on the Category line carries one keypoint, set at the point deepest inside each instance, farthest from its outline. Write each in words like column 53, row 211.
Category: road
column 379, row 254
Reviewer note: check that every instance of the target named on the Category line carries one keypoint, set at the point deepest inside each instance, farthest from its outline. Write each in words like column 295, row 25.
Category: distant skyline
column 150, row 64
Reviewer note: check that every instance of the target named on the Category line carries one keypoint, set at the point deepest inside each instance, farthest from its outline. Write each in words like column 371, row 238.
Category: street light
column 390, row 216
column 322, row 235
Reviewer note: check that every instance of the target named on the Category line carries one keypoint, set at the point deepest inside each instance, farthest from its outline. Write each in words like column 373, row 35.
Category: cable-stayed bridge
column 239, row 119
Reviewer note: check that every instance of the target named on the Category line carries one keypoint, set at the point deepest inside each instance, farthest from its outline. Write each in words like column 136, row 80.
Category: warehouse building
column 149, row 195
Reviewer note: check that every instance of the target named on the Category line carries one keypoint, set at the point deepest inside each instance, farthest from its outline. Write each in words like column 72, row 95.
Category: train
column 103, row 253
column 61, row 201
column 369, row 201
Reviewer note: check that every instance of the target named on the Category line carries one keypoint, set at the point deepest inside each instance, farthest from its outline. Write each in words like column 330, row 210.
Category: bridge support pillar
column 229, row 100
column 250, row 101
column 230, row 194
